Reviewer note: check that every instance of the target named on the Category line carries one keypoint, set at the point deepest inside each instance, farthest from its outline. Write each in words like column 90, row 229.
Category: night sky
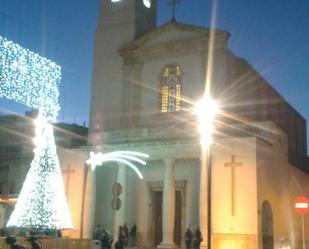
column 272, row 35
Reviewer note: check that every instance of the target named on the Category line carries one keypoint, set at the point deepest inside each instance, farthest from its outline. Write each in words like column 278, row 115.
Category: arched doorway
column 267, row 226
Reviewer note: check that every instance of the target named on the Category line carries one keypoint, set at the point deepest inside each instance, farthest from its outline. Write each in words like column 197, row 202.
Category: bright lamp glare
column 147, row 3
column 206, row 110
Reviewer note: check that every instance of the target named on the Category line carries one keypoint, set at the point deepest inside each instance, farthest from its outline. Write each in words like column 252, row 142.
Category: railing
column 149, row 127
column 51, row 243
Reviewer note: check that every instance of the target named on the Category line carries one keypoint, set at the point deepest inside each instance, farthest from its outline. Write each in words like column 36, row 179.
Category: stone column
column 168, row 205
column 88, row 203
column 142, row 211
column 203, row 196
column 120, row 214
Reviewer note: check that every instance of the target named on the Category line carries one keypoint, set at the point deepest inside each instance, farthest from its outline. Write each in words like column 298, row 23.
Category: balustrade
column 51, row 243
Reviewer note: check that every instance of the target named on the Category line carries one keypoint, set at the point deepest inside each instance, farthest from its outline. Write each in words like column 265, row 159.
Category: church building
column 146, row 81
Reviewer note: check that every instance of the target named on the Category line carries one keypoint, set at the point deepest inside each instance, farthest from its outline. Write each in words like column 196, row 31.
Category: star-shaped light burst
column 125, row 157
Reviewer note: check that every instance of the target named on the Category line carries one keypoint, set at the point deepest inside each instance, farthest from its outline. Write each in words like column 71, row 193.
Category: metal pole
column 81, row 232
column 209, row 198
column 303, row 230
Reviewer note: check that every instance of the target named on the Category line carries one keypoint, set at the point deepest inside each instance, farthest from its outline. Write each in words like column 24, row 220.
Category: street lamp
column 206, row 110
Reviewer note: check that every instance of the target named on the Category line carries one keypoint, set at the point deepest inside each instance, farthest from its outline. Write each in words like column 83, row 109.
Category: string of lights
column 29, row 79
column 42, row 202
column 124, row 157
column 32, row 80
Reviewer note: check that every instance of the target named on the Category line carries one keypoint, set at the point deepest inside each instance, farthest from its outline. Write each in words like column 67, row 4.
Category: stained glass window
column 170, row 88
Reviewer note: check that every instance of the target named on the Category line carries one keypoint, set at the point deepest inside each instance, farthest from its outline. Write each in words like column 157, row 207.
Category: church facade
column 146, row 80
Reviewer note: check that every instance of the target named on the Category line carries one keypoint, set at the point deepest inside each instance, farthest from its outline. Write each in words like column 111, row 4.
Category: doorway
column 157, row 197
column 267, row 226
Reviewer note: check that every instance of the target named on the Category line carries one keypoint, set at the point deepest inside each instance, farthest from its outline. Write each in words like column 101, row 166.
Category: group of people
column 127, row 237
column 11, row 241
column 124, row 237
column 104, row 236
column 193, row 239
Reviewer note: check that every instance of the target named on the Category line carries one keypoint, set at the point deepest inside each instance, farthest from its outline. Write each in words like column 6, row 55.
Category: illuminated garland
column 124, row 157
column 42, row 202
column 32, row 80
column 28, row 78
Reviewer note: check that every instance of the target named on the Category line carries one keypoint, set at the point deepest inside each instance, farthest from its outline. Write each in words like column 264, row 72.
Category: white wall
column 76, row 158
column 279, row 184
column 245, row 219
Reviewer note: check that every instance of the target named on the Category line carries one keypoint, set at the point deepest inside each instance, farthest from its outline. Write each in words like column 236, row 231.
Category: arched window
column 170, row 88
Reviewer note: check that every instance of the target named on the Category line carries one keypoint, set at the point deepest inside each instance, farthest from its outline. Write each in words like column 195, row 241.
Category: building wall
column 240, row 227
column 250, row 96
column 279, row 183
column 73, row 184
column 119, row 23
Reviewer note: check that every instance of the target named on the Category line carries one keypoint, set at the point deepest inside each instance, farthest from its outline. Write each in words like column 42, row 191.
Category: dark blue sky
column 272, row 35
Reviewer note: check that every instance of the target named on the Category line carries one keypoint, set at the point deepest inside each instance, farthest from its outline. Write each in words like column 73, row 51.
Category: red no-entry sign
column 301, row 205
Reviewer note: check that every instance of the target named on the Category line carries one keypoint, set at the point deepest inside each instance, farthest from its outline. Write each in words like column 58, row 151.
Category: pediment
column 171, row 32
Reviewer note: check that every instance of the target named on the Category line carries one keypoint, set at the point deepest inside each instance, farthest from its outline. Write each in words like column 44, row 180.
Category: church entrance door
column 267, row 226
column 157, row 197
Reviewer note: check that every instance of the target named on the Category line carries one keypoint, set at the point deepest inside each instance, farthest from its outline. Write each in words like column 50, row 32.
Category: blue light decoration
column 124, row 157
column 29, row 79
column 32, row 80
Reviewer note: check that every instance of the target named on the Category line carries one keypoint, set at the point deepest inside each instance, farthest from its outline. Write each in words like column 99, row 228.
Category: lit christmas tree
column 33, row 80
column 42, row 202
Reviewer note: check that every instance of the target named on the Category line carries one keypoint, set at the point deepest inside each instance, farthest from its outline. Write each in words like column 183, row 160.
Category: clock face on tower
column 147, row 3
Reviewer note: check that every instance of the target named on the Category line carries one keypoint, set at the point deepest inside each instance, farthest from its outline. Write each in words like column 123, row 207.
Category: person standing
column 97, row 233
column 121, row 237
column 104, row 240
column 133, row 234
column 125, row 230
column 34, row 244
column 197, row 238
column 188, row 238
column 11, row 241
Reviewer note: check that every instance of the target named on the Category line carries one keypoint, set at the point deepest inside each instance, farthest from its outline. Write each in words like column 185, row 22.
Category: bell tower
column 119, row 22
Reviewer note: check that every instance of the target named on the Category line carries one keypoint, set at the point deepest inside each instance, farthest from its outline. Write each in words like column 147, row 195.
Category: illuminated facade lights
column 29, row 79
column 42, row 202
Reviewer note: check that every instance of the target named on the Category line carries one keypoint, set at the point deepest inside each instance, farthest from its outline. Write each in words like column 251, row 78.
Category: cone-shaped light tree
column 42, row 202
column 32, row 80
